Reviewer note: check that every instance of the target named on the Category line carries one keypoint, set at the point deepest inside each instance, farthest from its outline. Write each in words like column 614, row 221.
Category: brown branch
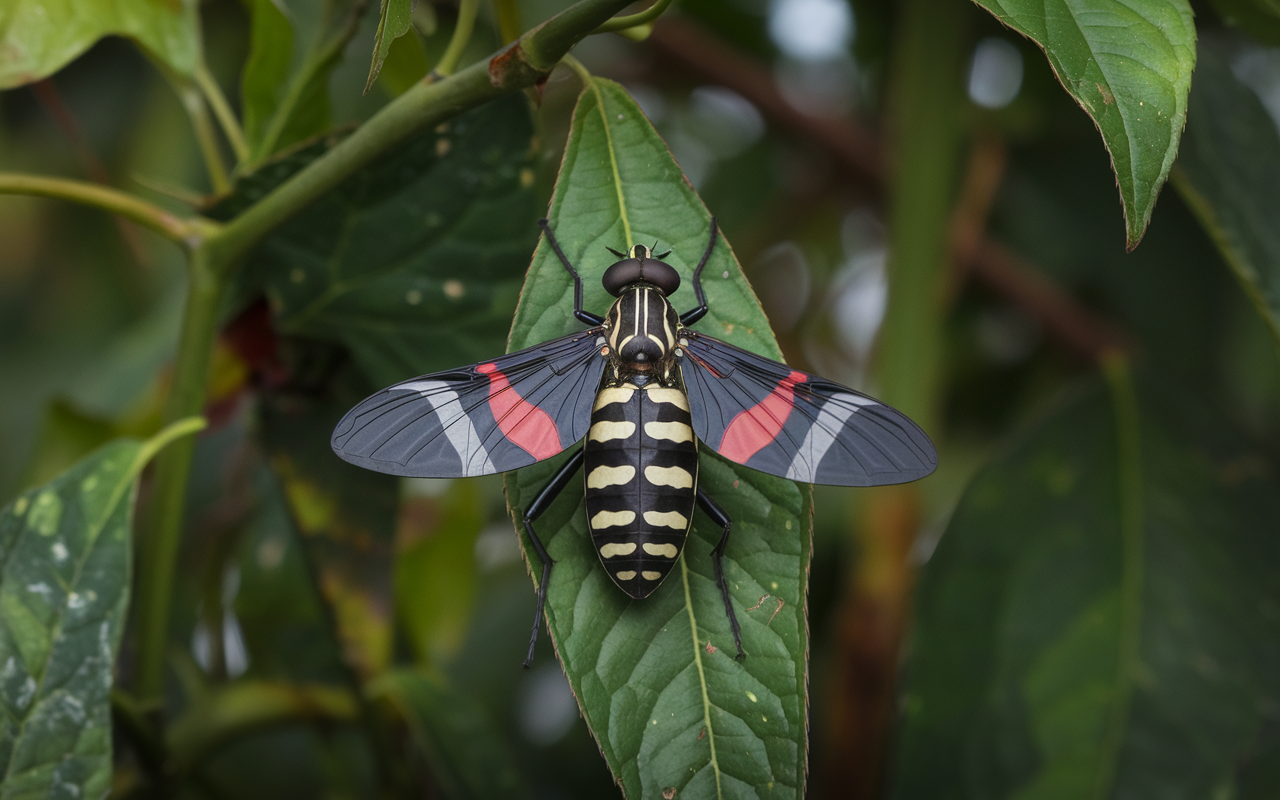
column 859, row 153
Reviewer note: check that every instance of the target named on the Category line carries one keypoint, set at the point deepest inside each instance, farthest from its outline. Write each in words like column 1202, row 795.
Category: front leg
column 578, row 311
column 539, row 505
column 693, row 315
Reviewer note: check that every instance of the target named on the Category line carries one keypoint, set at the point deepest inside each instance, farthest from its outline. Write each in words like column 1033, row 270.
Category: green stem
column 422, row 107
column 182, row 231
column 162, row 534
column 222, row 110
column 579, row 69
column 927, row 90
column 198, row 112
column 461, row 37
column 508, row 14
column 643, row 18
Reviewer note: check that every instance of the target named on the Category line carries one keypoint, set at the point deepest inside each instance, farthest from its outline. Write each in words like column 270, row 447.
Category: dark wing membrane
column 489, row 417
column 788, row 423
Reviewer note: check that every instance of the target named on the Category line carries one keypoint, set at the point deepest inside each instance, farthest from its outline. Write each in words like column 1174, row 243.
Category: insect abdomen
column 641, row 467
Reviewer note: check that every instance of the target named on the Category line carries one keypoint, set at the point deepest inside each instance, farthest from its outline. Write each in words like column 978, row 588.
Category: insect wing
column 490, row 417
column 788, row 423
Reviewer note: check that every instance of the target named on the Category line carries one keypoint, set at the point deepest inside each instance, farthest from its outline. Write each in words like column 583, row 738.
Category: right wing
column 490, row 417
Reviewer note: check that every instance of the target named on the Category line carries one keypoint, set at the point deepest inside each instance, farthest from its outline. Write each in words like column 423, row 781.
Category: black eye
column 634, row 270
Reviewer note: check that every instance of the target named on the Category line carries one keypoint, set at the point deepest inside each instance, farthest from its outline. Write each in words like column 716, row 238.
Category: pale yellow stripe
column 665, row 519
column 674, row 477
column 664, row 550
column 601, row 477
column 607, row 431
column 675, row 397
column 675, row 431
column 618, row 549
column 625, row 575
column 651, row 576
column 614, row 394
column 612, row 519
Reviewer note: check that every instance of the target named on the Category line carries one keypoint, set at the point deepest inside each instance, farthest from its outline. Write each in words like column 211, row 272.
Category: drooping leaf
column 467, row 755
column 394, row 21
column 266, row 71
column 1229, row 173
column 1128, row 64
column 1099, row 619
column 347, row 517
column 405, row 66
column 65, row 564
column 39, row 37
column 656, row 679
column 414, row 264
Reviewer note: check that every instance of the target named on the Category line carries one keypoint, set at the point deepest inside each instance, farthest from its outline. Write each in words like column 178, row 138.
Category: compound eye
column 620, row 275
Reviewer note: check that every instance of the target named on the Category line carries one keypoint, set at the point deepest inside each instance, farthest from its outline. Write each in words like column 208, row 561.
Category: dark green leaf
column 468, row 757
column 1128, row 64
column 266, row 71
column 1229, row 173
column 405, row 66
column 656, row 679
column 346, row 516
column 64, row 585
column 39, row 37
column 1099, row 619
column 394, row 22
column 415, row 263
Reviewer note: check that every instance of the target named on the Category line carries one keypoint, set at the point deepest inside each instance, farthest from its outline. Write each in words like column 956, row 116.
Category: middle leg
column 719, row 517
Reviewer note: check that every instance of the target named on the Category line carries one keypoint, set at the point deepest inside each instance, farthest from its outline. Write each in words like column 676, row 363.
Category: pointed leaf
column 393, row 23
column 656, row 679
column 266, row 71
column 1128, row 64
column 64, row 586
column 39, row 37
column 1229, row 173
column 1099, row 619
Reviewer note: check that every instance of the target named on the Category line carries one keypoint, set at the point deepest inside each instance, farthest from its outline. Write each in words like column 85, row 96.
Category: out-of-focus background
column 781, row 114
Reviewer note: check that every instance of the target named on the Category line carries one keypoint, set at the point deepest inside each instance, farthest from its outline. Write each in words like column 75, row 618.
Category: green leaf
column 1099, row 618
column 65, row 568
column 266, row 71
column 414, row 264
column 394, row 22
column 405, row 66
column 40, row 37
column 1229, row 174
column 1128, row 64
column 467, row 755
column 657, row 680
column 347, row 517
column 435, row 572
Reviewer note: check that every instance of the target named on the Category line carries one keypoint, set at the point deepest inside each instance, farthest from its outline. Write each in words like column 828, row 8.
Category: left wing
column 490, row 417
column 788, row 423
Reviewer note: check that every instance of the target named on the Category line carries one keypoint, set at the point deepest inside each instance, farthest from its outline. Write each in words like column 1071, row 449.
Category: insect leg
column 540, row 504
column 695, row 314
column 584, row 316
column 722, row 519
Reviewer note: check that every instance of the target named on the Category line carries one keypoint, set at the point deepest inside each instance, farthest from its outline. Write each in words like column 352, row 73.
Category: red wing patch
column 754, row 428
column 523, row 423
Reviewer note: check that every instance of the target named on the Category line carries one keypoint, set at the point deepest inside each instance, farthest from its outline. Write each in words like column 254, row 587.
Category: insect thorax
column 643, row 329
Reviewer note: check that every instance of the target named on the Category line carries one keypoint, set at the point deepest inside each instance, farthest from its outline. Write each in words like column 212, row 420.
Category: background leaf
column 657, row 680
column 414, row 264
column 1099, row 618
column 393, row 23
column 1128, row 64
column 65, row 568
column 466, row 754
column 266, row 70
column 39, row 37
column 1229, row 173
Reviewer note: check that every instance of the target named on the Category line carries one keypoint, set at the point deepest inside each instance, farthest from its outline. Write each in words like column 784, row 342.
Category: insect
column 644, row 390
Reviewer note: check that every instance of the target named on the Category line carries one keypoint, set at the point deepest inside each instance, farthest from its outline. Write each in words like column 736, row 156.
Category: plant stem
column 198, row 112
column 422, row 107
column 644, row 17
column 222, row 110
column 108, row 199
column 508, row 13
column 461, row 36
column 162, row 533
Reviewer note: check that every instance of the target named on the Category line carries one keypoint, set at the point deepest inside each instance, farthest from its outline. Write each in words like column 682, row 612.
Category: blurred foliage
column 1095, row 598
